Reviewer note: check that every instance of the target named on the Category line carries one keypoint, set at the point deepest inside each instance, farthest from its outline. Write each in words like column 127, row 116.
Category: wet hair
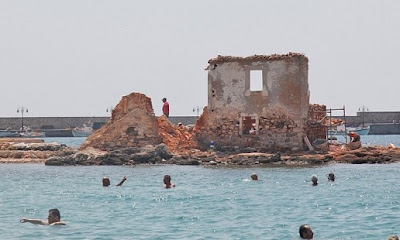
column 331, row 177
column 254, row 176
column 106, row 182
column 55, row 212
column 393, row 237
column 303, row 230
column 167, row 177
column 314, row 178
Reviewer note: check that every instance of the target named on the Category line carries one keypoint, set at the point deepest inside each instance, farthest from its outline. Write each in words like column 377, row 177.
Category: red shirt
column 165, row 108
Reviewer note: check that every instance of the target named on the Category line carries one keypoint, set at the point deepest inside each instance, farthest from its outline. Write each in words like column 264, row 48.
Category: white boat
column 32, row 134
column 8, row 133
column 27, row 132
column 82, row 131
column 359, row 130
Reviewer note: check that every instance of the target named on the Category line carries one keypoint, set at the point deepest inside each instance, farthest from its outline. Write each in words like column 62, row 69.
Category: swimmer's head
column 314, row 179
column 306, row 232
column 167, row 179
column 254, row 176
column 393, row 237
column 331, row 177
column 54, row 216
column 106, row 182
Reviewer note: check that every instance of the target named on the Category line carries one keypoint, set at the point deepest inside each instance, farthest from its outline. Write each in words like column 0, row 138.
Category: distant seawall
column 71, row 122
column 381, row 122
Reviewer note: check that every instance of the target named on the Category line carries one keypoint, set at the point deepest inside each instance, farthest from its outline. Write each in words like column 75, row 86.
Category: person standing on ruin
column 165, row 107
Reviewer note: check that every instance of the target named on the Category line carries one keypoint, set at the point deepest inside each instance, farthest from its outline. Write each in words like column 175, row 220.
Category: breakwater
column 382, row 123
column 56, row 123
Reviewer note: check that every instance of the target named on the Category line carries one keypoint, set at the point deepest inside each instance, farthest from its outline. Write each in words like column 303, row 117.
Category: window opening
column 256, row 80
column 249, row 126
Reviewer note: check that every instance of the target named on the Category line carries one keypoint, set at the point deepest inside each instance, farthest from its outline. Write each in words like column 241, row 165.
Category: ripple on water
column 210, row 203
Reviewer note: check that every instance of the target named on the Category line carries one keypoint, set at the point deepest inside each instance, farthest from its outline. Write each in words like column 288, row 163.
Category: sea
column 208, row 202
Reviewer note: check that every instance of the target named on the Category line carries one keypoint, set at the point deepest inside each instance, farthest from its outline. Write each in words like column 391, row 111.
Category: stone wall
column 371, row 118
column 315, row 129
column 384, row 129
column 276, row 132
column 272, row 118
column 49, row 122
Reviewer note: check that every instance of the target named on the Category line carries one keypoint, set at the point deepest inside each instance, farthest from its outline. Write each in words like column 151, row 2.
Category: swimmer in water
column 331, row 177
column 314, row 180
column 254, row 177
column 306, row 232
column 167, row 182
column 53, row 218
column 106, row 181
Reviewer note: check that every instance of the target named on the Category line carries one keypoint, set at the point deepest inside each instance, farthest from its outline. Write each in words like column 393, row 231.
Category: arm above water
column 122, row 181
column 34, row 221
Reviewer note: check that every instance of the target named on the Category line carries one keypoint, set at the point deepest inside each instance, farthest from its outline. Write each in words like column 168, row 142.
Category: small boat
column 28, row 133
column 359, row 130
column 82, row 131
column 32, row 134
column 341, row 131
column 8, row 133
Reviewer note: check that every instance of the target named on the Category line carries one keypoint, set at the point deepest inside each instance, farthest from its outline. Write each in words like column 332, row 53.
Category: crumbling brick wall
column 268, row 119
column 274, row 133
column 315, row 127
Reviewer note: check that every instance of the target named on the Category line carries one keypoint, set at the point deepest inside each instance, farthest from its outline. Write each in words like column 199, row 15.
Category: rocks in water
column 129, row 156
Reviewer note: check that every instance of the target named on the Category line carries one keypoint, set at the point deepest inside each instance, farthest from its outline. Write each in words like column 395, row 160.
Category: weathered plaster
column 280, row 108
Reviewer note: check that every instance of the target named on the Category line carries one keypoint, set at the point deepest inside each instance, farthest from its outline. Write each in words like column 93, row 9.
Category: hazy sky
column 79, row 57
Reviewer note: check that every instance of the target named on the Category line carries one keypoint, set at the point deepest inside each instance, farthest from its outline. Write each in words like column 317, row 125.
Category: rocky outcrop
column 134, row 135
column 133, row 124
column 20, row 150
column 123, row 156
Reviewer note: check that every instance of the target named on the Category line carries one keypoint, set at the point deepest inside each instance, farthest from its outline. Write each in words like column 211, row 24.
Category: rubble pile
column 133, row 124
column 221, row 58
column 333, row 122
column 178, row 138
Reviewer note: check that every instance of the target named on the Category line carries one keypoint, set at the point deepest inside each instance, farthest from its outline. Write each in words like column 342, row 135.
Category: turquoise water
column 208, row 202
column 69, row 141
column 375, row 140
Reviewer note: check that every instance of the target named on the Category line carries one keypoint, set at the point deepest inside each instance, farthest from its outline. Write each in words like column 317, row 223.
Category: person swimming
column 393, row 237
column 53, row 218
column 254, row 177
column 167, row 182
column 314, row 180
column 106, row 181
column 331, row 177
column 305, row 232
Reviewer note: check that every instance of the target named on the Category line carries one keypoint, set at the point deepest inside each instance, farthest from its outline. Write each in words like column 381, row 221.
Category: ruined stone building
column 259, row 102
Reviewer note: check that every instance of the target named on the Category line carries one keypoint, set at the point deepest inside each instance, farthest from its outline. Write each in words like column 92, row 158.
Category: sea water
column 208, row 202
column 367, row 140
